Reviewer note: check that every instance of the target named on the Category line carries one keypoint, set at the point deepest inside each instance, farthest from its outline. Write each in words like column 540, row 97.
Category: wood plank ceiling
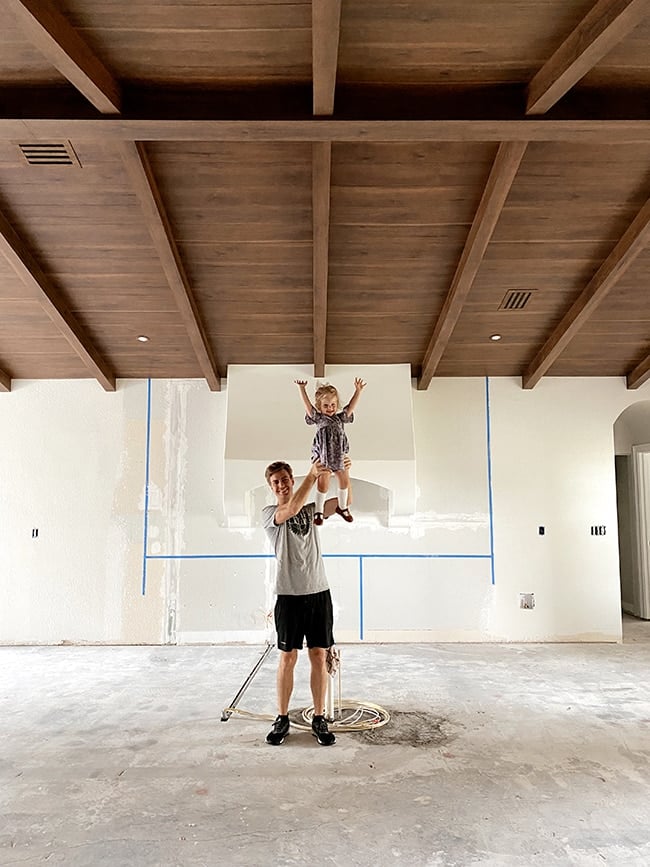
column 334, row 182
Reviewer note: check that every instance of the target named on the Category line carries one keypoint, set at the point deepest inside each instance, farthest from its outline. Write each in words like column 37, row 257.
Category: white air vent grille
column 516, row 299
column 49, row 154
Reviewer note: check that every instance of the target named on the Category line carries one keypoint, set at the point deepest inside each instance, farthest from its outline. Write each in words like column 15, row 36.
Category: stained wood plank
column 602, row 28
column 52, row 34
column 145, row 16
column 629, row 247
column 640, row 374
column 24, row 264
column 322, row 167
column 325, row 30
column 201, row 57
column 137, row 165
column 504, row 170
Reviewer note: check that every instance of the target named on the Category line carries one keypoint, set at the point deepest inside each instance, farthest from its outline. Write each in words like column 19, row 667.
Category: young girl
column 330, row 444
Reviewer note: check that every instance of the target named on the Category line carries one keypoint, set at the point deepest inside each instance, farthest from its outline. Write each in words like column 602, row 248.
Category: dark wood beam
column 610, row 272
column 600, row 30
column 321, row 175
column 5, row 381
column 52, row 34
column 312, row 130
column 144, row 184
column 20, row 257
column 504, row 170
column 325, row 31
column 640, row 374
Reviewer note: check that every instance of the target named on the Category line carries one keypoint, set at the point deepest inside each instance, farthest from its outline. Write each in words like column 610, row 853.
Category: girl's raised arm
column 302, row 385
column 359, row 385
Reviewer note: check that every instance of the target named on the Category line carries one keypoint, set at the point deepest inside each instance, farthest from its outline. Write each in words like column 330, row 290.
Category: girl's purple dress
column 330, row 443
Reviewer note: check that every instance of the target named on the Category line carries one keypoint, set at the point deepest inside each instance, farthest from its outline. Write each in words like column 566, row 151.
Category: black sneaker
column 279, row 731
column 320, row 731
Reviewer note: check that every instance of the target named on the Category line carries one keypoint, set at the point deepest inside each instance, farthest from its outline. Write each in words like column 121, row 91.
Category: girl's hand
column 359, row 384
column 300, row 382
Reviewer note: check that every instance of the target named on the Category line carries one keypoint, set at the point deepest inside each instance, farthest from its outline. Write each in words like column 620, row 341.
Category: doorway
column 632, row 467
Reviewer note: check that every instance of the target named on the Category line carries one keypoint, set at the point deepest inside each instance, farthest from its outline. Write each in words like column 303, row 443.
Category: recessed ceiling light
column 143, row 338
column 495, row 337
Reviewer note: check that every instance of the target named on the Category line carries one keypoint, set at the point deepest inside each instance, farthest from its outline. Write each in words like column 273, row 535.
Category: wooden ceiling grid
column 326, row 182
column 244, row 222
column 418, row 214
column 535, row 247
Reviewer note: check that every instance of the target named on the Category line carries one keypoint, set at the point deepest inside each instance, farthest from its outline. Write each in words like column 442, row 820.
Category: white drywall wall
column 73, row 463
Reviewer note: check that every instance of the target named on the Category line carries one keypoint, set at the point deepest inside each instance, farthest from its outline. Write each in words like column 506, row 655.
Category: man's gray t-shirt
column 300, row 569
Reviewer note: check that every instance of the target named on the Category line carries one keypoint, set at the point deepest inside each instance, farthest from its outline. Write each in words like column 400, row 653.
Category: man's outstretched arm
column 299, row 496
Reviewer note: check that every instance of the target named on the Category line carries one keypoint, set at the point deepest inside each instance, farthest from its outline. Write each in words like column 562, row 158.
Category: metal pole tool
column 227, row 712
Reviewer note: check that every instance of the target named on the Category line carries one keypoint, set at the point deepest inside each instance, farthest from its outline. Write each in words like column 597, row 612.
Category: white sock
column 320, row 501
column 342, row 494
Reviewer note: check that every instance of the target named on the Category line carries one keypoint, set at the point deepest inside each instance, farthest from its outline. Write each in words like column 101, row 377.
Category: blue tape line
column 210, row 556
column 360, row 557
column 146, row 492
column 360, row 598
column 340, row 556
column 489, row 470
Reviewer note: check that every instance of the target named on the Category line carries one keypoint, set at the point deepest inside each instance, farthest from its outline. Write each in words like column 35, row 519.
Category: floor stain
column 411, row 728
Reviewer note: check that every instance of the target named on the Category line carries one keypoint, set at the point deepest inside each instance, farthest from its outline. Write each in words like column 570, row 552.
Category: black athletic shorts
column 304, row 617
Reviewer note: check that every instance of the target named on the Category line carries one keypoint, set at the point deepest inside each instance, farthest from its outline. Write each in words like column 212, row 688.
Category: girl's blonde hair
column 324, row 390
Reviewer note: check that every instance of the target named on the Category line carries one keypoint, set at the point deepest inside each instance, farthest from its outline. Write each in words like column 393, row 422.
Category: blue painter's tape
column 146, row 491
column 360, row 598
column 359, row 557
column 489, row 471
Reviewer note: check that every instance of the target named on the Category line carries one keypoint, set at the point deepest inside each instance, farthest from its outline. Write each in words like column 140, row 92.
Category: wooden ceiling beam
column 504, row 170
column 321, row 180
column 640, row 374
column 631, row 244
column 19, row 256
column 323, row 129
column 601, row 29
column 5, row 381
column 52, row 34
column 325, row 32
column 146, row 189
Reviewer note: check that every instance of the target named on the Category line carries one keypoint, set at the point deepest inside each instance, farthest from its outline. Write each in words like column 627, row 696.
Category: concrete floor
column 497, row 755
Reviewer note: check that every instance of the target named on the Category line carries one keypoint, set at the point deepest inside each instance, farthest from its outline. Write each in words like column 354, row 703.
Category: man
column 303, row 608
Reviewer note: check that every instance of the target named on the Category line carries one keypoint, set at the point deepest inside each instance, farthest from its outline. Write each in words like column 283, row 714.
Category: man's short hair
column 276, row 467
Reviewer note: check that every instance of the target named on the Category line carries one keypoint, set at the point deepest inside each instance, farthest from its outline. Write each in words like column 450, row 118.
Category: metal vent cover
column 516, row 299
column 49, row 154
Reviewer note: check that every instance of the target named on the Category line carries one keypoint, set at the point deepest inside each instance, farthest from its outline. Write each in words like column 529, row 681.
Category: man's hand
column 317, row 469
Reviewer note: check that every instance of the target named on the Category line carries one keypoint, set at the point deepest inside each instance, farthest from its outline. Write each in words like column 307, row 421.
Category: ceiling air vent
column 516, row 299
column 48, row 154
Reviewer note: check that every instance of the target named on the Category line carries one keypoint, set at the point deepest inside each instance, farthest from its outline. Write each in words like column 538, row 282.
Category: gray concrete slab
column 496, row 755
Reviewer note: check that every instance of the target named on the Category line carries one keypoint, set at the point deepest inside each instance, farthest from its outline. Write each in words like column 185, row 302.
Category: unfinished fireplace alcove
column 265, row 422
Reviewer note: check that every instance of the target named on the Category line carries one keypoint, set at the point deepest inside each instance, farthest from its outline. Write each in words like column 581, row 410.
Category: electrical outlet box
column 527, row 600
